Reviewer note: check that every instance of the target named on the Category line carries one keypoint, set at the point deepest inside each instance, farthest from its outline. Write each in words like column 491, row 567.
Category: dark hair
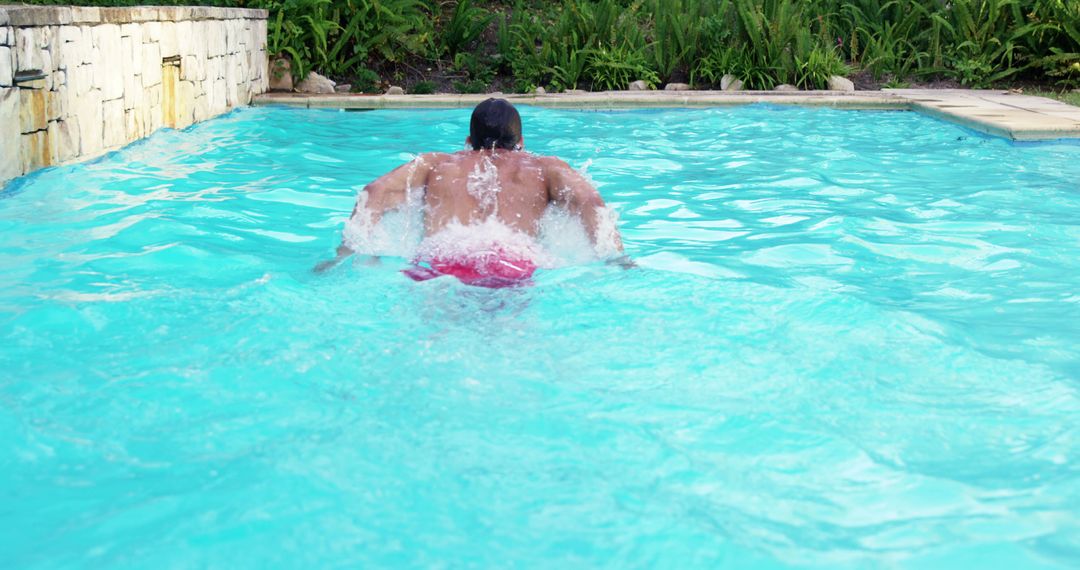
column 495, row 124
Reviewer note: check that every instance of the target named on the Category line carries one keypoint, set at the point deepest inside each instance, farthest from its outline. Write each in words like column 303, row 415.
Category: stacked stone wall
column 79, row 82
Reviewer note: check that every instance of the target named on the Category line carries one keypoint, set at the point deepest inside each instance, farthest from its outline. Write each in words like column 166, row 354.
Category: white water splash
column 458, row 241
column 398, row 231
column 607, row 223
column 561, row 237
column 483, row 184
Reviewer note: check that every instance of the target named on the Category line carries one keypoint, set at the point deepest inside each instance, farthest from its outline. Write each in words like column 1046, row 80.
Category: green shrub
column 338, row 36
column 776, row 37
column 366, row 81
column 562, row 43
column 523, row 87
column 565, row 64
column 677, row 32
column 985, row 34
column 718, row 63
column 423, row 88
column 817, row 67
column 892, row 38
column 1054, row 41
column 300, row 30
column 475, row 67
column 470, row 87
column 464, row 26
column 615, row 68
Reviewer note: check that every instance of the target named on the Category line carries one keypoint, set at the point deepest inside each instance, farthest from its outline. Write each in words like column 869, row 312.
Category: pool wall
column 76, row 82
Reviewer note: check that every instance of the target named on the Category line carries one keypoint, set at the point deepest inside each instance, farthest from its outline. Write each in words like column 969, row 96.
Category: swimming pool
column 854, row 340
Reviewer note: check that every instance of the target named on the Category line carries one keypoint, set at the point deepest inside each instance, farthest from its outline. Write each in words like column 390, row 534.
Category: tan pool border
column 1013, row 116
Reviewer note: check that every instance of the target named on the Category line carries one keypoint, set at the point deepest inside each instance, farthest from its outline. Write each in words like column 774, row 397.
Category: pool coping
column 1011, row 115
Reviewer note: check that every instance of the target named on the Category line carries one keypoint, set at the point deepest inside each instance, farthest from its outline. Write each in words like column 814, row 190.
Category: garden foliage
column 606, row 44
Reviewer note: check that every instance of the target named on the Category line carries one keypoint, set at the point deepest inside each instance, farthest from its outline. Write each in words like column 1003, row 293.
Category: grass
column 1070, row 97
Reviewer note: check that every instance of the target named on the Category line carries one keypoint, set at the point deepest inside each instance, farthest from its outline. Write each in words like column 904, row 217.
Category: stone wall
column 79, row 82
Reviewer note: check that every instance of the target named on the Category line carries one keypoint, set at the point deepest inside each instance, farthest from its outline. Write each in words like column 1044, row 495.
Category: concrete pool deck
column 1014, row 116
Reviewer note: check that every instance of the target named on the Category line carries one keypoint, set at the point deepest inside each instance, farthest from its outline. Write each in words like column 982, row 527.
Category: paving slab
column 1014, row 116
column 1003, row 113
column 597, row 100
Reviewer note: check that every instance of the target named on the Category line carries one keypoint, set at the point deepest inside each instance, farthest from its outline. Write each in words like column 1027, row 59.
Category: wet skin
column 470, row 186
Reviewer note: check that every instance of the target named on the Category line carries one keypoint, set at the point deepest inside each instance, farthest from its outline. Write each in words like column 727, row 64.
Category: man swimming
column 495, row 180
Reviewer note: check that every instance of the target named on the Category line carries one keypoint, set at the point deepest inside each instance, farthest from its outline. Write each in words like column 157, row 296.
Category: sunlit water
column 853, row 341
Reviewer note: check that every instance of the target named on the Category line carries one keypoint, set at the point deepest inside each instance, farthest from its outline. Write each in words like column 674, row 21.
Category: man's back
column 471, row 187
column 495, row 182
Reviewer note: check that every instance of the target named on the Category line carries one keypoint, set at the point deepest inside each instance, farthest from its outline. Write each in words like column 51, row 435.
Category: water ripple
column 852, row 342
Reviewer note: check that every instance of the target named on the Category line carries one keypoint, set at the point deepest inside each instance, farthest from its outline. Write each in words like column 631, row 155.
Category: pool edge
column 1004, row 114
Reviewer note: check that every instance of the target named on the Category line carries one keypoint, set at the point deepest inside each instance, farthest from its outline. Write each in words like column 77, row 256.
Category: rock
column 639, row 85
column 200, row 109
column 216, row 43
column 114, row 132
column 730, row 83
column 7, row 71
column 280, row 74
column 220, row 103
column 343, row 87
column 88, row 110
column 9, row 135
column 68, row 145
column 151, row 58
column 676, row 87
column 28, row 56
column 837, row 83
column 192, row 69
column 81, row 80
column 32, row 110
column 35, row 152
column 786, row 87
column 395, row 90
column 111, row 78
column 575, row 92
column 54, row 106
column 540, row 91
column 315, row 83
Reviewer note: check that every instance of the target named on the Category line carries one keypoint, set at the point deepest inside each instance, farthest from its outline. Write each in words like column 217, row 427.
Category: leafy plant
column 677, row 31
column 474, row 86
column 776, row 38
column 615, row 68
column 1054, row 35
column 300, row 30
column 366, row 81
column 561, row 43
column 893, row 35
column 464, row 26
column 985, row 39
column 474, row 67
column 815, row 69
column 423, row 88
column 718, row 63
column 565, row 64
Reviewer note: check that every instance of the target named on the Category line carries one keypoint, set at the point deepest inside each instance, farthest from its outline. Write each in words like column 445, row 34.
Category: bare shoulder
column 434, row 158
column 552, row 163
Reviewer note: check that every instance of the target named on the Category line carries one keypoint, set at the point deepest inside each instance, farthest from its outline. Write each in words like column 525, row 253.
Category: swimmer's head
column 495, row 124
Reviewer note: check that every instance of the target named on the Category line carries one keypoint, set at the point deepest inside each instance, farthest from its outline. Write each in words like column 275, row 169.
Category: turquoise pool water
column 853, row 341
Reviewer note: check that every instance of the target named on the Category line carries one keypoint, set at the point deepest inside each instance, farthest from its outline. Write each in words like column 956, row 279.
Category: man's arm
column 385, row 193
column 569, row 189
